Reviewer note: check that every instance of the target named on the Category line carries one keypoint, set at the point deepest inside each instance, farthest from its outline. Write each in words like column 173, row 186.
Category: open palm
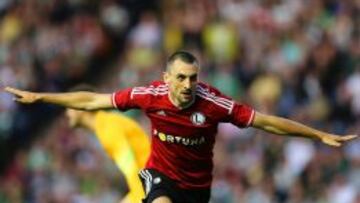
column 335, row 140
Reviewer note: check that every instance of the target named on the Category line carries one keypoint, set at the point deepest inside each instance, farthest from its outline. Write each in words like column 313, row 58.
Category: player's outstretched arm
column 77, row 100
column 282, row 126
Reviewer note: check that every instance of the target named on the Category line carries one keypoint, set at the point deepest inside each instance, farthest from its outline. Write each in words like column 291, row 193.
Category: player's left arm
column 283, row 126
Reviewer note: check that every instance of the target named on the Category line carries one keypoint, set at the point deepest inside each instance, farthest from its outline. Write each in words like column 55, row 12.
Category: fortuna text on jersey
column 187, row 141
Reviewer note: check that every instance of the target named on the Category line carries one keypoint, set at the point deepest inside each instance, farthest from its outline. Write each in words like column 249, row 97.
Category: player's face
column 182, row 79
column 73, row 117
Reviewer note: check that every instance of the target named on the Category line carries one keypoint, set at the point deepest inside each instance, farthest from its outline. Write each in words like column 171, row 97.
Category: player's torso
column 182, row 141
column 191, row 127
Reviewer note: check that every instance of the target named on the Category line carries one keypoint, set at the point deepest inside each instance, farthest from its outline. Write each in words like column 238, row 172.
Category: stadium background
column 294, row 58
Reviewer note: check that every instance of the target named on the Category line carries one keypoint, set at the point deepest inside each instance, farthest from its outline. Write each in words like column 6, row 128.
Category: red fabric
column 183, row 139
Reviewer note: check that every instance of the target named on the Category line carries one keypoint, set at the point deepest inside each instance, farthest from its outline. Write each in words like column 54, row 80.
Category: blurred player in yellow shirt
column 123, row 140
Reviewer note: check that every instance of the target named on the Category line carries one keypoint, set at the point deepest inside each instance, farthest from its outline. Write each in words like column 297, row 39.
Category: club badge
column 197, row 118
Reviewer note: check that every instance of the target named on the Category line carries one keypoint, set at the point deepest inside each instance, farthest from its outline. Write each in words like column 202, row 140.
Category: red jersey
column 183, row 139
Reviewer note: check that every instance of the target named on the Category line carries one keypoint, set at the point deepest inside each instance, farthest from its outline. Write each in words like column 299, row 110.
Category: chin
column 186, row 101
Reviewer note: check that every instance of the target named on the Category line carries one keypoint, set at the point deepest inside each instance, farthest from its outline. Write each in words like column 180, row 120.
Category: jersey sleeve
column 126, row 99
column 225, row 108
column 242, row 115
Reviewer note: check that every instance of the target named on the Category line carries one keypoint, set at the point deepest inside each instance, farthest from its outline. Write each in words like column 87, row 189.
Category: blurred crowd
column 294, row 58
column 49, row 46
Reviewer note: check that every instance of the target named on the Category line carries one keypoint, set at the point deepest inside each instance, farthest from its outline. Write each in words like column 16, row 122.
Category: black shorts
column 156, row 184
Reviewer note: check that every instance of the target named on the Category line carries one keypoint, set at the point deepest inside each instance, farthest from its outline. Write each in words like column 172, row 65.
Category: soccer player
column 184, row 114
column 122, row 139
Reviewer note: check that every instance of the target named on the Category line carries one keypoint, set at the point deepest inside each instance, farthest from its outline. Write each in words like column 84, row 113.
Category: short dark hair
column 184, row 56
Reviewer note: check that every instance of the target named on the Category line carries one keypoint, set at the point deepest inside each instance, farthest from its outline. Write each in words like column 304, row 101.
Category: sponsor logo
column 187, row 141
column 198, row 118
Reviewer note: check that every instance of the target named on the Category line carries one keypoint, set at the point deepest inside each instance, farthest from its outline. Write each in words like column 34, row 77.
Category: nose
column 187, row 83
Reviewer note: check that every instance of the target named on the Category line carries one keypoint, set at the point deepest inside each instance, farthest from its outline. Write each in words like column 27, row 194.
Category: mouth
column 186, row 94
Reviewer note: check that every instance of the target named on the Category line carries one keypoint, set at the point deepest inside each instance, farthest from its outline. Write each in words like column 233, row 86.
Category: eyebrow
column 183, row 75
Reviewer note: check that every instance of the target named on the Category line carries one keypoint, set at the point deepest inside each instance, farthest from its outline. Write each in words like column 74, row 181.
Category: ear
column 166, row 77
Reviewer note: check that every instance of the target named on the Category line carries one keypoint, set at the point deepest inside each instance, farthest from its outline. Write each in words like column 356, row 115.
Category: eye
column 180, row 77
column 193, row 78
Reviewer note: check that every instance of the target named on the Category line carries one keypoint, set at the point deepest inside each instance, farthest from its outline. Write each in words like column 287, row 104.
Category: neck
column 178, row 104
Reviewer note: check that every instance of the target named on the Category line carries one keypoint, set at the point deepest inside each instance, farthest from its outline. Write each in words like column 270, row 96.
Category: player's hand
column 21, row 96
column 335, row 140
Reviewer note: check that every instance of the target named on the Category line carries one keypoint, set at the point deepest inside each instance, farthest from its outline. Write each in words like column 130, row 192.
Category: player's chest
column 194, row 119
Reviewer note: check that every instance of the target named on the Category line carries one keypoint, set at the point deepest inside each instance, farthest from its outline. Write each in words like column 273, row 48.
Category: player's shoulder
column 213, row 96
column 155, row 88
column 207, row 89
column 157, row 83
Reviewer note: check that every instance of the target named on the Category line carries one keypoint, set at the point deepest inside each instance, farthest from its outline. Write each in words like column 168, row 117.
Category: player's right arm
column 78, row 100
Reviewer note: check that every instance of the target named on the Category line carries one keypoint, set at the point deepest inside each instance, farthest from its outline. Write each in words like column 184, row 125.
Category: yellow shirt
column 127, row 144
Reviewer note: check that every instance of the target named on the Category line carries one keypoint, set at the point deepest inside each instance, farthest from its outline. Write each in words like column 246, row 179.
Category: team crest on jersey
column 198, row 118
